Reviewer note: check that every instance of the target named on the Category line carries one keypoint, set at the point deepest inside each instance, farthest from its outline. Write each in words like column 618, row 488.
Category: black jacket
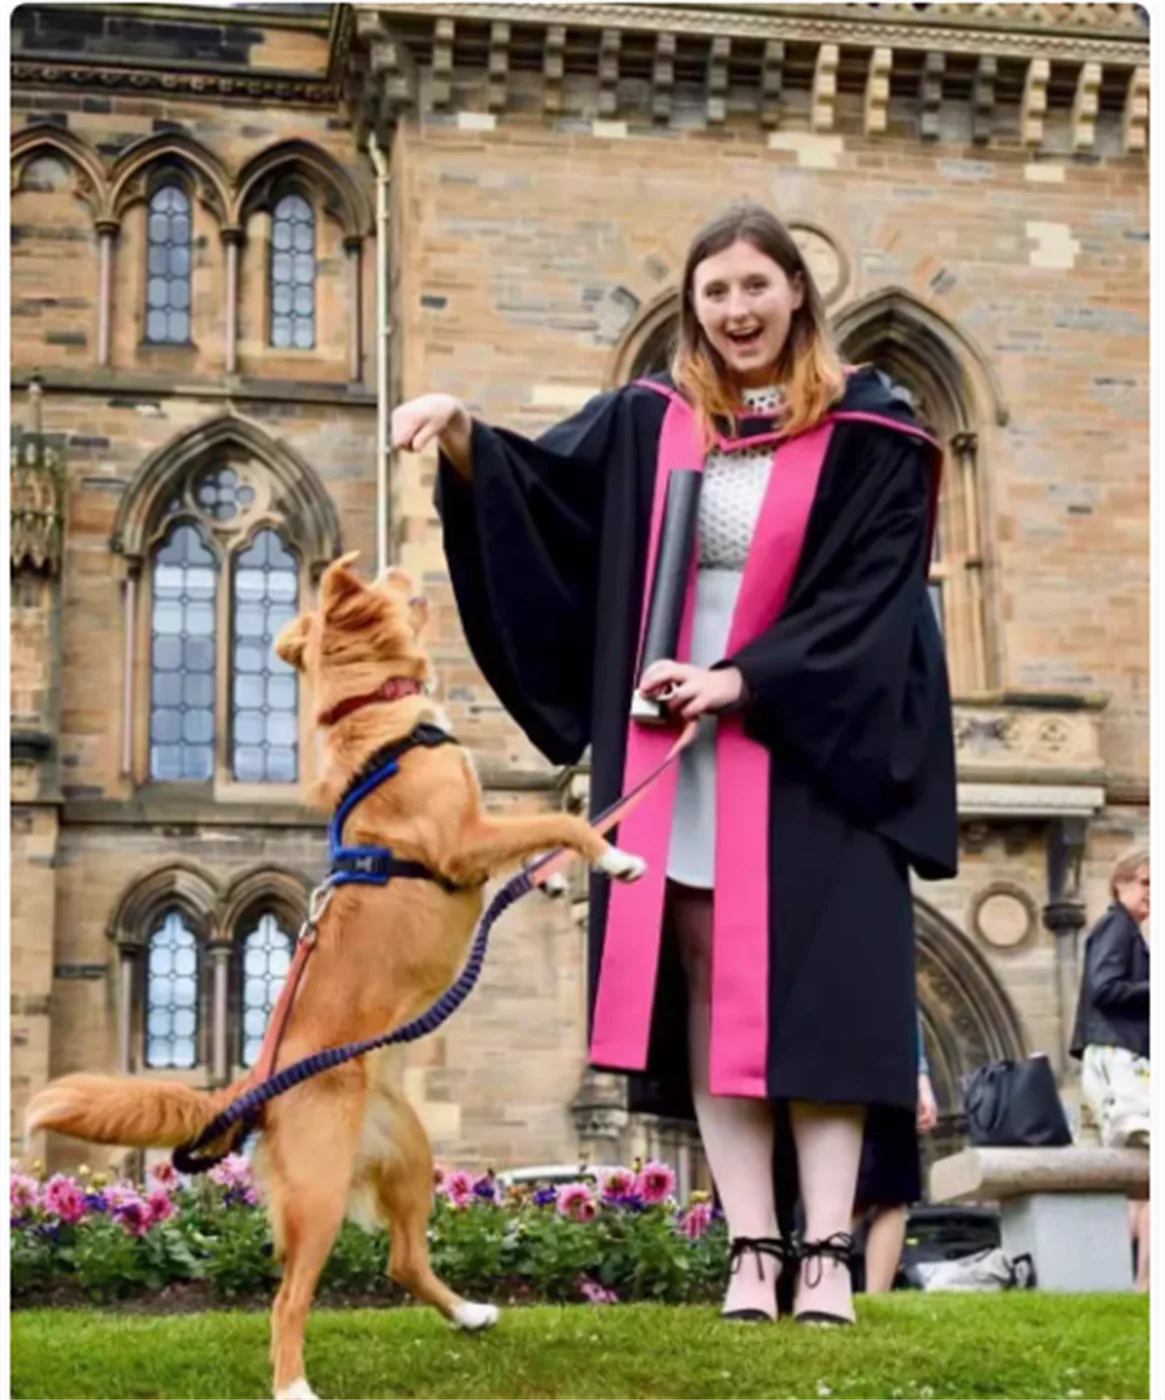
column 1114, row 991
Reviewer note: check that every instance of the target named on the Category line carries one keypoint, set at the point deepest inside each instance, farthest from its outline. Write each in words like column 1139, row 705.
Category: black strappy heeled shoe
column 840, row 1247
column 776, row 1249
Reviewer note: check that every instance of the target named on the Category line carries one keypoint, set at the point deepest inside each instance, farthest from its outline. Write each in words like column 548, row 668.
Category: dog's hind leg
column 309, row 1149
column 404, row 1183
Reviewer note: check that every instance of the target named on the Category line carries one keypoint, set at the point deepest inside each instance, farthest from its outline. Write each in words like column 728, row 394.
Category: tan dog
column 347, row 1140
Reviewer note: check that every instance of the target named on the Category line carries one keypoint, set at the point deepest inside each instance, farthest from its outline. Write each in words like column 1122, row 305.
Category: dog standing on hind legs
column 347, row 1141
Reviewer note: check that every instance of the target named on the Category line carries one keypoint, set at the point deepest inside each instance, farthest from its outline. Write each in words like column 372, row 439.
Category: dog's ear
column 292, row 640
column 340, row 583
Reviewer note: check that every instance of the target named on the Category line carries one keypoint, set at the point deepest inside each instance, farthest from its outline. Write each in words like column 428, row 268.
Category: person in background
column 1111, row 1035
column 890, row 1178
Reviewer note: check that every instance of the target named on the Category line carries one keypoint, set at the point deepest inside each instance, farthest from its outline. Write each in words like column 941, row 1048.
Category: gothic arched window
column 168, row 253
column 172, row 994
column 265, row 956
column 223, row 706
column 293, row 274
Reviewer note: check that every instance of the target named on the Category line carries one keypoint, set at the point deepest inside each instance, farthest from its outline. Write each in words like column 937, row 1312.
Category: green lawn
column 908, row 1345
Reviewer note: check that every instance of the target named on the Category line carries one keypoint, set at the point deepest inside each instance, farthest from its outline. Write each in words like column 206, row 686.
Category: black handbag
column 1015, row 1103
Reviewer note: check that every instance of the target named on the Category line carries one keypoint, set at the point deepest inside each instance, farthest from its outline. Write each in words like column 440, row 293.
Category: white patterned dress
column 731, row 495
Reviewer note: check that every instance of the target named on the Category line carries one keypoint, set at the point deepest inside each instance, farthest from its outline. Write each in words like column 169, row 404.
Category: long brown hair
column 809, row 368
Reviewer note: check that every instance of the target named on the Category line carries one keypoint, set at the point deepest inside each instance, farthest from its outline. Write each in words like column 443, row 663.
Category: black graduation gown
column 547, row 555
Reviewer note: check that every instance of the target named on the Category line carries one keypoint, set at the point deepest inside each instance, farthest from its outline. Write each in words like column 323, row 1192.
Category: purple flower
column 545, row 1196
column 485, row 1188
column 618, row 1186
column 233, row 1170
column 696, row 1220
column 595, row 1293
column 22, row 1192
column 61, row 1196
column 574, row 1200
column 655, row 1183
column 134, row 1216
column 96, row 1202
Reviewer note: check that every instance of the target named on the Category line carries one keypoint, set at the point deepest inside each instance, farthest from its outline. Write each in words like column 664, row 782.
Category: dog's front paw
column 555, row 886
column 297, row 1390
column 475, row 1317
column 621, row 865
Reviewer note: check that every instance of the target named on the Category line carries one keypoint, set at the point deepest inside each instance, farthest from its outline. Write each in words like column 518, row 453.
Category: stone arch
column 968, row 1018
column 275, row 887
column 89, row 179
column 942, row 357
column 343, row 199
column 179, row 882
column 132, row 171
column 645, row 346
column 301, row 497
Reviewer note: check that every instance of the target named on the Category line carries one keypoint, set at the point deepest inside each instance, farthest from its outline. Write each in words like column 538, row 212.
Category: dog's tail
column 126, row 1112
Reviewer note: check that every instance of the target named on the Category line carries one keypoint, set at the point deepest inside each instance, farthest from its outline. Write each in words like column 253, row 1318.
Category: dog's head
column 358, row 635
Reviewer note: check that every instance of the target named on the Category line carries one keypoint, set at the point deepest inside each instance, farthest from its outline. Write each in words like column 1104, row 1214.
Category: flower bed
column 622, row 1238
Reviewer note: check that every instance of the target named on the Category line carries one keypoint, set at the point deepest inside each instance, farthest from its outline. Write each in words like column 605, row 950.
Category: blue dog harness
column 377, row 865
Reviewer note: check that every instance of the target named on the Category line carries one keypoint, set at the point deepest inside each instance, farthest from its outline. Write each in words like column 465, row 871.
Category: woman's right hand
column 418, row 422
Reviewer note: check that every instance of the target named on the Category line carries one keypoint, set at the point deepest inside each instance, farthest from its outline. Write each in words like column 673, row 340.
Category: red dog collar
column 395, row 688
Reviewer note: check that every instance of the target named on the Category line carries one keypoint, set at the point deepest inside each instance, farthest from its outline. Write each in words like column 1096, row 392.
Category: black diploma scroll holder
column 673, row 563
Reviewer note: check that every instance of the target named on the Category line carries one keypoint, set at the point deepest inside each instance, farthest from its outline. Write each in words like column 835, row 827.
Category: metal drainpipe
column 383, row 333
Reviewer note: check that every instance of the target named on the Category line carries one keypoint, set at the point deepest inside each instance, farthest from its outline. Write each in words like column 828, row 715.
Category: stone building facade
column 195, row 370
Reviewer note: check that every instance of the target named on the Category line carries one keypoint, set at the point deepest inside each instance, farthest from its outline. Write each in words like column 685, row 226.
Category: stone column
column 220, row 963
column 106, row 233
column 231, row 239
column 1064, row 917
column 127, row 961
column 600, row 1116
column 353, row 250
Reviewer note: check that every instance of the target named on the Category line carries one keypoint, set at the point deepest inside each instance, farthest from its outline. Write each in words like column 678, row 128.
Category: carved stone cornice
column 1112, row 33
column 291, row 89
column 781, row 64
column 1029, row 739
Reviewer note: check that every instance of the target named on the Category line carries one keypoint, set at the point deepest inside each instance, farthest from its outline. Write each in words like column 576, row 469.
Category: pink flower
column 574, row 1200
column 459, row 1188
column 233, row 1170
column 61, row 1196
column 595, row 1293
column 696, row 1219
column 165, row 1175
column 135, row 1216
column 160, row 1206
column 119, row 1192
column 656, row 1182
column 23, row 1191
column 618, row 1185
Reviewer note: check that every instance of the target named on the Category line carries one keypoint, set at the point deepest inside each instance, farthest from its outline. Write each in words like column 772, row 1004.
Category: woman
column 1111, row 1036
column 767, row 955
column 890, row 1178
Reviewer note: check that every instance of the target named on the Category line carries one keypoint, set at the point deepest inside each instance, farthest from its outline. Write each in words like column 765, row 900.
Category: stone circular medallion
column 824, row 259
column 1003, row 915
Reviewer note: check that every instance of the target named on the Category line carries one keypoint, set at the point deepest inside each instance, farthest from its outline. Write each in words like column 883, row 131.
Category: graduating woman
column 766, row 959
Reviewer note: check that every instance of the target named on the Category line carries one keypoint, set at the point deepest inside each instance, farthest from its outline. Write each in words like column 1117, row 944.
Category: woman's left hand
column 698, row 691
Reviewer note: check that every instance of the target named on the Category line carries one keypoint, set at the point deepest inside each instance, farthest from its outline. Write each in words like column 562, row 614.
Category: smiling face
column 744, row 303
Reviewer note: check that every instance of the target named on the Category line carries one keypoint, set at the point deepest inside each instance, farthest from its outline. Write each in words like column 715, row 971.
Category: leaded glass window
column 220, row 494
column 264, row 709
column 172, row 995
column 182, row 657
column 293, row 274
column 168, row 267
column 266, row 958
